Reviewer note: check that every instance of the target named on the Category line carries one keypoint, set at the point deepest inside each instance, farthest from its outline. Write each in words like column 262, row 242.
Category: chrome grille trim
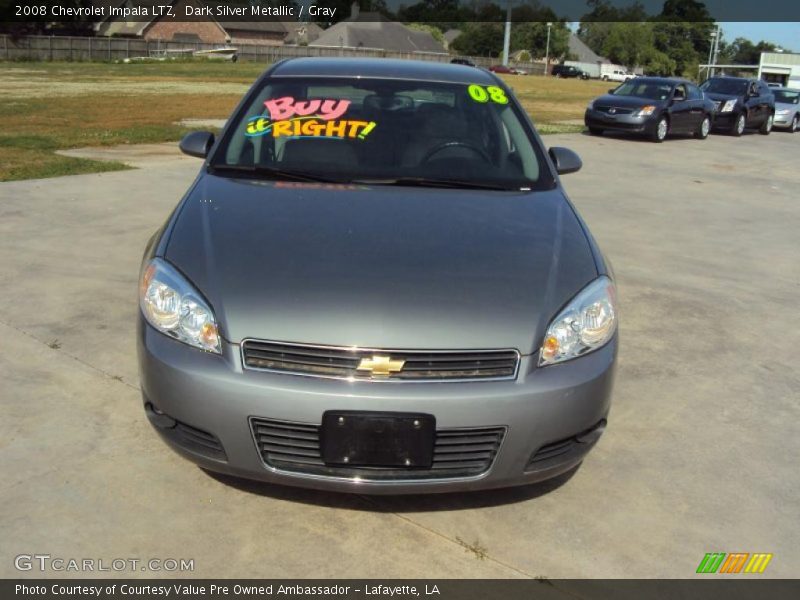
column 341, row 362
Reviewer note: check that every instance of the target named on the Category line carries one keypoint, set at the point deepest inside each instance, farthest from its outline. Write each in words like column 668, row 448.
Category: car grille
column 717, row 105
column 343, row 363
column 295, row 447
column 616, row 110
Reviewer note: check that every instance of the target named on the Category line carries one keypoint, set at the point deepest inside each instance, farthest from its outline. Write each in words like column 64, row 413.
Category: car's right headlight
column 728, row 106
column 590, row 106
column 173, row 306
column 783, row 112
column 646, row 111
column 587, row 323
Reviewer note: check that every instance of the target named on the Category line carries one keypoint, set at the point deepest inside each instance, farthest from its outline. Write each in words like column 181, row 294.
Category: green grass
column 53, row 106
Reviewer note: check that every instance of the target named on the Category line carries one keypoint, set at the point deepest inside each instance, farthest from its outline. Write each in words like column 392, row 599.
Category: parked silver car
column 377, row 284
column 787, row 109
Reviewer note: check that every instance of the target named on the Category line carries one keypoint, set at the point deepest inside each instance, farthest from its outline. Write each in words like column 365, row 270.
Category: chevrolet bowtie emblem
column 381, row 366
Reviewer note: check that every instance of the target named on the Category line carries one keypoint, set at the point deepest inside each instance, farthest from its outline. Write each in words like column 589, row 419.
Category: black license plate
column 377, row 439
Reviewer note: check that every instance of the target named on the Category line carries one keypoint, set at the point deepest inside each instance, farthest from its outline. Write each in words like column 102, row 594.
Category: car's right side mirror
column 565, row 160
column 197, row 143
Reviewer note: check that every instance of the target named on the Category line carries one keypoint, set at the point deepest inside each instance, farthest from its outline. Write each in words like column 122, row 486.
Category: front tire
column 659, row 134
column 703, row 129
column 766, row 128
column 737, row 129
column 795, row 124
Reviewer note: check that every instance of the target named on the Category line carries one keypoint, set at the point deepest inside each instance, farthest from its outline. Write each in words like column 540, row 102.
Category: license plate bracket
column 377, row 439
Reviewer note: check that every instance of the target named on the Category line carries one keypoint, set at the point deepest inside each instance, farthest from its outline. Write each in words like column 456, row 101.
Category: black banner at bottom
column 375, row 589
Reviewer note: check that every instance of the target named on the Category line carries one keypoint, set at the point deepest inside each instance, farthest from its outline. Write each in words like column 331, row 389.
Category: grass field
column 52, row 106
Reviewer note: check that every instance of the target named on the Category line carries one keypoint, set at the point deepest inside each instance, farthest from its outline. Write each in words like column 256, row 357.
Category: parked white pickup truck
column 617, row 75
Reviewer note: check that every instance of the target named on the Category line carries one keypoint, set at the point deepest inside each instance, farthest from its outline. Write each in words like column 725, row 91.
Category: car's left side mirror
column 565, row 160
column 197, row 143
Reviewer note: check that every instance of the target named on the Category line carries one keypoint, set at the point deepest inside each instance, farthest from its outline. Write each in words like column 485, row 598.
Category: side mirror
column 197, row 143
column 611, row 90
column 565, row 160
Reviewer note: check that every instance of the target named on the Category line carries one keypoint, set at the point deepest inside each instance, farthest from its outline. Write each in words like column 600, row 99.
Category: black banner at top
column 431, row 11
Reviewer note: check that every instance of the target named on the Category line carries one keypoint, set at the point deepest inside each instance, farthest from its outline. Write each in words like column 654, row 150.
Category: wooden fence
column 66, row 48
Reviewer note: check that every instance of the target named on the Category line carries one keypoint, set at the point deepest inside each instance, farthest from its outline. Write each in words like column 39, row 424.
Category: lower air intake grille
column 457, row 453
column 379, row 365
column 198, row 441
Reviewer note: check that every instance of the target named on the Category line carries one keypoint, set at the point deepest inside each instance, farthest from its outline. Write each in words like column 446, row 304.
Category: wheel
column 766, row 128
column 795, row 124
column 659, row 134
column 605, row 77
column 703, row 128
column 737, row 128
column 595, row 131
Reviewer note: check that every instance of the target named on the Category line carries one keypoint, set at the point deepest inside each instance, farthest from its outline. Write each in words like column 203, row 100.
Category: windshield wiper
column 439, row 183
column 273, row 173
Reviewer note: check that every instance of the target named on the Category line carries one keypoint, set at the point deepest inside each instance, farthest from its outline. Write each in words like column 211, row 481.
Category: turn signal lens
column 587, row 323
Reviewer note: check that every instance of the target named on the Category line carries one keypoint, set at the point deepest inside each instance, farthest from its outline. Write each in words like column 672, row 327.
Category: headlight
column 785, row 111
column 728, row 106
column 586, row 324
column 174, row 307
column 590, row 106
column 645, row 111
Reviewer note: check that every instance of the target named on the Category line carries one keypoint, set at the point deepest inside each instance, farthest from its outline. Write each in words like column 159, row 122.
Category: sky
column 786, row 35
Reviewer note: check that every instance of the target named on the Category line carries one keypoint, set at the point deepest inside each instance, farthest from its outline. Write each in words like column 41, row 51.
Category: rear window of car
column 379, row 129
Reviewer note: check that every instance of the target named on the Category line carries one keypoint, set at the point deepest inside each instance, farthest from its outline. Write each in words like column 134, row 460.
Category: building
column 372, row 30
column 780, row 67
column 206, row 29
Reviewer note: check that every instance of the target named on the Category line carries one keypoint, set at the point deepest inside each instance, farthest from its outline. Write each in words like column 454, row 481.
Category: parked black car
column 653, row 106
column 568, row 71
column 740, row 104
column 462, row 61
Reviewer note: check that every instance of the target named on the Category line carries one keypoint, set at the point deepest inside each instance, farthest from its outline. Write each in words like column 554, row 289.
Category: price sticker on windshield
column 485, row 94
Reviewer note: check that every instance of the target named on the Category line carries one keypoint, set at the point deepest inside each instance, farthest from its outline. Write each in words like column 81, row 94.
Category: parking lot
column 700, row 454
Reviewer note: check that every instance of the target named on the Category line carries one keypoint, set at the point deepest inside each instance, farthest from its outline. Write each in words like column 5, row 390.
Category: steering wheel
column 455, row 144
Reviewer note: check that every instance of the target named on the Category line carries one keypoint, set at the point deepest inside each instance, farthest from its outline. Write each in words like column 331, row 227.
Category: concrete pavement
column 700, row 454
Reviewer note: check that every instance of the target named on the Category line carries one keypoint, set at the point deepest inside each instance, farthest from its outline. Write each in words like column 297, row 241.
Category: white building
column 780, row 67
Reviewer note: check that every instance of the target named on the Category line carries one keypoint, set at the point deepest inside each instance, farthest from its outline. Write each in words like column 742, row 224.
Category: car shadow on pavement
column 405, row 503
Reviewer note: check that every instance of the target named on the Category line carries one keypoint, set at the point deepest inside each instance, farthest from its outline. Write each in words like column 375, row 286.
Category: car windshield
column 644, row 89
column 731, row 87
column 787, row 96
column 383, row 131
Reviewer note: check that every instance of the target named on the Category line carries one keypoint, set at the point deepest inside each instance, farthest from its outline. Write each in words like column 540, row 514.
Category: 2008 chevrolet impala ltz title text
column 377, row 283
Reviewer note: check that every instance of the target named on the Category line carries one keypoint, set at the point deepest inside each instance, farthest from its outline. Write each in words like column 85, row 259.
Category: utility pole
column 507, row 34
column 547, row 51
column 716, row 45
column 710, row 53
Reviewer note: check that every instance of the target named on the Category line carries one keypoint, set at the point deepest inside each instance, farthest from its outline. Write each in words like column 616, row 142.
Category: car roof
column 731, row 78
column 667, row 80
column 381, row 68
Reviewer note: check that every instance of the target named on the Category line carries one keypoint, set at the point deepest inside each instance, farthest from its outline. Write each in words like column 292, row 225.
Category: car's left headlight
column 783, row 112
column 173, row 306
column 728, row 106
column 646, row 111
column 587, row 323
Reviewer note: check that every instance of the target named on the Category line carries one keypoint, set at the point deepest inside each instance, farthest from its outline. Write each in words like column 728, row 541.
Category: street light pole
column 507, row 34
column 547, row 51
column 710, row 54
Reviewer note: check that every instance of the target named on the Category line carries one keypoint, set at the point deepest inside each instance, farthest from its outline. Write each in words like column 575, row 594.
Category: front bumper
column 630, row 123
column 202, row 405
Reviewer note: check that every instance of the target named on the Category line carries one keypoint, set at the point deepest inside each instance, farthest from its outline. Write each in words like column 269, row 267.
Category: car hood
column 381, row 267
column 625, row 101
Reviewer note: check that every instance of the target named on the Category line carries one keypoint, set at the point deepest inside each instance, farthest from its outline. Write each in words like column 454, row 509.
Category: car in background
column 617, row 75
column 740, row 103
column 366, row 290
column 462, row 61
column 502, row 69
column 652, row 106
column 518, row 71
column 787, row 109
column 569, row 71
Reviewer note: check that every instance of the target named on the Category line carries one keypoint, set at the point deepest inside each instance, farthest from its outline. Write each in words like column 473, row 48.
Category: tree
column 428, row 28
column 532, row 36
column 629, row 43
column 480, row 39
